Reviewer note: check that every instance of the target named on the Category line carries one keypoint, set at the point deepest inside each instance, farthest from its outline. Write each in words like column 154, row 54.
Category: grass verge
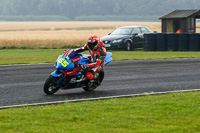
column 27, row 56
column 171, row 113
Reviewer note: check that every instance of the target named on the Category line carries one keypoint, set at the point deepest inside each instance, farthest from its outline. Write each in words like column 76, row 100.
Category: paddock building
column 177, row 21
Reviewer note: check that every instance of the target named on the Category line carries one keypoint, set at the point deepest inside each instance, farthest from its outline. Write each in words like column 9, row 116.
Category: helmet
column 93, row 41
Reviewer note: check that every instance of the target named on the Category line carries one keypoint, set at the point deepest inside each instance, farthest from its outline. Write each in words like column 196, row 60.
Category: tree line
column 25, row 10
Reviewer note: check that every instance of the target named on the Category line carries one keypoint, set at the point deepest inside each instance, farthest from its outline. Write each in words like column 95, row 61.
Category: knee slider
column 90, row 75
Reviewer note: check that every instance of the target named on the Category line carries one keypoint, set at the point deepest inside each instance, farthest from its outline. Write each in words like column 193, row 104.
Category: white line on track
column 98, row 98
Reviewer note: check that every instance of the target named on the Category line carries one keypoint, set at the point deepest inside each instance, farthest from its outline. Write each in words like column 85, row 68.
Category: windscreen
column 71, row 54
column 122, row 31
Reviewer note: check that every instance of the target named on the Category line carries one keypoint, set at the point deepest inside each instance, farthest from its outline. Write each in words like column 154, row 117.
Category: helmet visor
column 92, row 45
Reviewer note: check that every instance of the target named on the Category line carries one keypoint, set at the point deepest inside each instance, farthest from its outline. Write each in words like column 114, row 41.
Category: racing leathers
column 96, row 61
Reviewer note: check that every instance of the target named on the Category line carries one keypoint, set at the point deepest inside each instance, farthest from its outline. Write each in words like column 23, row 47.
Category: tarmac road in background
column 23, row 84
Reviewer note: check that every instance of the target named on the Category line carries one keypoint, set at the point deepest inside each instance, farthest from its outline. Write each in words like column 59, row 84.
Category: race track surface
column 23, row 84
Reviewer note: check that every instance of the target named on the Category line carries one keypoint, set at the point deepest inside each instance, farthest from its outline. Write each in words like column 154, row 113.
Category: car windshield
column 122, row 31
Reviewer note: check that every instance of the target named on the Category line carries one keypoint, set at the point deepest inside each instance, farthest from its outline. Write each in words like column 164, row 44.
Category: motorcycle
column 67, row 74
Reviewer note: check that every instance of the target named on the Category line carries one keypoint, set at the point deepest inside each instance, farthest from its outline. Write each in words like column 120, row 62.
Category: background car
column 126, row 38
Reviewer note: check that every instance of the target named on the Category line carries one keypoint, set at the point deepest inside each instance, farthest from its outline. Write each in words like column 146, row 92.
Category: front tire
column 50, row 86
column 128, row 46
column 90, row 86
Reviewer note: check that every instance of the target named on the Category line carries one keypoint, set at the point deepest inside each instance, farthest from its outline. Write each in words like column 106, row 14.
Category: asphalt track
column 23, row 84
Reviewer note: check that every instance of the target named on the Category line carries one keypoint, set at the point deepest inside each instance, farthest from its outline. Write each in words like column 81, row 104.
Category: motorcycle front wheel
column 50, row 86
column 90, row 86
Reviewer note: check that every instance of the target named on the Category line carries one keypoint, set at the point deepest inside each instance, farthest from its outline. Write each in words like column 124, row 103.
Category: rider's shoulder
column 101, row 43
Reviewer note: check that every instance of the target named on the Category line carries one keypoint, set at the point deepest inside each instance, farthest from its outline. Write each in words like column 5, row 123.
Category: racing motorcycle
column 68, row 75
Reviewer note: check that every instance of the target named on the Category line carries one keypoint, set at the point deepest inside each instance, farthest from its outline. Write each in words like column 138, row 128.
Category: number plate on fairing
column 63, row 62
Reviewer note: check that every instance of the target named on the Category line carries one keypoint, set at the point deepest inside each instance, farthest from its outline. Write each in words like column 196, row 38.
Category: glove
column 82, row 68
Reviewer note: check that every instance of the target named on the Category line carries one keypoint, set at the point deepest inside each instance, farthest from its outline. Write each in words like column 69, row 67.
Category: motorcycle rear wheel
column 90, row 86
column 50, row 86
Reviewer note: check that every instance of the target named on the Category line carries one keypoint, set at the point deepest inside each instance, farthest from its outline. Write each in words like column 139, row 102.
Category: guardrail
column 172, row 42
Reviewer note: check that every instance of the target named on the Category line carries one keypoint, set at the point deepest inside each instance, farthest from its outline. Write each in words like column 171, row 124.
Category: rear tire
column 90, row 86
column 50, row 86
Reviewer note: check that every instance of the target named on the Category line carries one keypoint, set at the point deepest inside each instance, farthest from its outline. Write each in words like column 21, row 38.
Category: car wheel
column 128, row 46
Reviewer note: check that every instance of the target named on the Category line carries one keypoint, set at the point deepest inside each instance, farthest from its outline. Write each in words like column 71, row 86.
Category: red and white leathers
column 98, row 54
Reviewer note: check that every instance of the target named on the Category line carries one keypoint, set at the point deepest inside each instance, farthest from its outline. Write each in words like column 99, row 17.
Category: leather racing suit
column 97, row 58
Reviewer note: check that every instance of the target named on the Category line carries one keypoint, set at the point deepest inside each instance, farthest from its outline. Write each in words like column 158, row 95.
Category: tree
column 77, row 8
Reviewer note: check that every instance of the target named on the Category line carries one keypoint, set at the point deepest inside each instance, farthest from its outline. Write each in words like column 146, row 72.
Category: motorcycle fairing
column 65, row 65
column 108, row 58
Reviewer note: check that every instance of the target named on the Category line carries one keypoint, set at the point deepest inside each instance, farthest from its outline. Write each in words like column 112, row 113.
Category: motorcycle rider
column 98, row 54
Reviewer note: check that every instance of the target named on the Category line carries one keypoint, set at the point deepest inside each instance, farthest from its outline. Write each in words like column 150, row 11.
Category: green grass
column 26, row 56
column 142, row 55
column 171, row 113
column 29, row 56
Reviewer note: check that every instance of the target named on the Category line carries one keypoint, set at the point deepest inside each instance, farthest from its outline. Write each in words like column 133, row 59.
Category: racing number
column 63, row 62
